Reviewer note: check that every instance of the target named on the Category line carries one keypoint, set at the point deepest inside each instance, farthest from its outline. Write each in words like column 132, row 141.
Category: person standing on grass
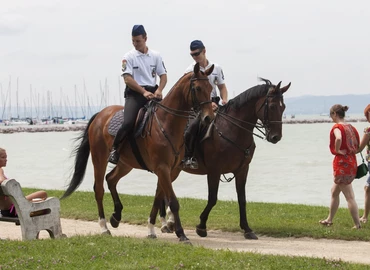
column 344, row 142
column 365, row 141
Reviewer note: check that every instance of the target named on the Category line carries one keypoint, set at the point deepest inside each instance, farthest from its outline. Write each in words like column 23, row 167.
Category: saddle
column 143, row 117
column 141, row 120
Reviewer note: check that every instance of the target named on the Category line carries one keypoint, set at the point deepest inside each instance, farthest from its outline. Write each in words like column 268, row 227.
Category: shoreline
column 42, row 128
column 80, row 127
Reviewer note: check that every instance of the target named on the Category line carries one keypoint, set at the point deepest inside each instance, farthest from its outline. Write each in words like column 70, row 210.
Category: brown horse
column 161, row 149
column 230, row 146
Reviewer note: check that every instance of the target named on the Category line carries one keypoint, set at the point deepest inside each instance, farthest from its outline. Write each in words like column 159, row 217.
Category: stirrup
column 190, row 162
column 113, row 156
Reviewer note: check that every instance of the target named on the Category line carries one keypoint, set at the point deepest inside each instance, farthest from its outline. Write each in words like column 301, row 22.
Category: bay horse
column 161, row 149
column 230, row 147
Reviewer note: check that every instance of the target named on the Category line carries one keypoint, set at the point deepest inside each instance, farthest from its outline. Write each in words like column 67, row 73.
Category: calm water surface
column 295, row 170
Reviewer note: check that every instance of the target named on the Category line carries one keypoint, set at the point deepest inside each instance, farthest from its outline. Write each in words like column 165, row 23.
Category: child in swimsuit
column 6, row 206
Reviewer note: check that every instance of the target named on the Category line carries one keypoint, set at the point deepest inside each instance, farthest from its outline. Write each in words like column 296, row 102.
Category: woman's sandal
column 325, row 223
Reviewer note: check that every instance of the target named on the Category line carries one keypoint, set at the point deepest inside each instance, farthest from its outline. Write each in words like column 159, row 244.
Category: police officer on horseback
column 217, row 80
column 140, row 68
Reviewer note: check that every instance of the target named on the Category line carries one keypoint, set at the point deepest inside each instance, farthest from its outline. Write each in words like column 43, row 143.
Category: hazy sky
column 322, row 47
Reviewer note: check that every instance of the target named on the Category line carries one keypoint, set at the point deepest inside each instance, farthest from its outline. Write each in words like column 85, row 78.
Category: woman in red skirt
column 344, row 142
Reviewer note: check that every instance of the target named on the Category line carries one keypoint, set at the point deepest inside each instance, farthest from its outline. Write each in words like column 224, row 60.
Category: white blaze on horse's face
column 281, row 104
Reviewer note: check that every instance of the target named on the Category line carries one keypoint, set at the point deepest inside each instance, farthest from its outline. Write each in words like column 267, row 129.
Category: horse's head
column 270, row 111
column 200, row 93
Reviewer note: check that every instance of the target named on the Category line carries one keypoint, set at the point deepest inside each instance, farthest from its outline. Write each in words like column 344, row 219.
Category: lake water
column 296, row 170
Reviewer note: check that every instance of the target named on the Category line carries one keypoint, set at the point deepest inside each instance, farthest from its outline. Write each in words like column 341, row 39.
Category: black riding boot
column 189, row 160
column 114, row 154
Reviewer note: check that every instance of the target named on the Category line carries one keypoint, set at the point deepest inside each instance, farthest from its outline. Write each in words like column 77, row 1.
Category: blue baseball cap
column 196, row 44
column 138, row 30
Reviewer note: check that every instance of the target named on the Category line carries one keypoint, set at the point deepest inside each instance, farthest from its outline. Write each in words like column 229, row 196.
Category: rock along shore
column 42, row 128
column 79, row 127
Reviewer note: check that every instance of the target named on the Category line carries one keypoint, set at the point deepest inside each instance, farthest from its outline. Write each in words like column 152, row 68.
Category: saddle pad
column 115, row 123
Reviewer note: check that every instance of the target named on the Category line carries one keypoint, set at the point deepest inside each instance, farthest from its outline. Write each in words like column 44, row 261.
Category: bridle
column 237, row 122
column 266, row 122
column 184, row 114
column 196, row 104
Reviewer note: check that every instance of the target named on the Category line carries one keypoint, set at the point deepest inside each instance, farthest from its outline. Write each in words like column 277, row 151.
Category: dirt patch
column 351, row 251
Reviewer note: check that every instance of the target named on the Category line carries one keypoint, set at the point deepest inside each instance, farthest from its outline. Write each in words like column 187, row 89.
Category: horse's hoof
column 171, row 226
column 201, row 232
column 151, row 236
column 165, row 229
column 185, row 240
column 107, row 232
column 63, row 235
column 114, row 222
column 250, row 235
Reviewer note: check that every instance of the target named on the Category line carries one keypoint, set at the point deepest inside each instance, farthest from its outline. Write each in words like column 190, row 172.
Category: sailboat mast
column 17, row 98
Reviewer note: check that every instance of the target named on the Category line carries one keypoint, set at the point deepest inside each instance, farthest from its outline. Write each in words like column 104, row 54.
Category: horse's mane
column 178, row 81
column 250, row 94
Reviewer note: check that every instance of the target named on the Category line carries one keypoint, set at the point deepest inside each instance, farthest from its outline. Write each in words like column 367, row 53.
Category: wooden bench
column 33, row 217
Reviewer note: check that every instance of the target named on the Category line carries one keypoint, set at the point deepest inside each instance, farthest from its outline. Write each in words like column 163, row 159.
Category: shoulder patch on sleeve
column 124, row 63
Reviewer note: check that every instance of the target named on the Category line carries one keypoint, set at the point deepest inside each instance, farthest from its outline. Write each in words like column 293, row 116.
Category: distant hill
column 321, row 104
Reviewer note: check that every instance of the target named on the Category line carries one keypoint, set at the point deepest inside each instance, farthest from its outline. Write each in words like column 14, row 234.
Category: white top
column 217, row 76
column 143, row 67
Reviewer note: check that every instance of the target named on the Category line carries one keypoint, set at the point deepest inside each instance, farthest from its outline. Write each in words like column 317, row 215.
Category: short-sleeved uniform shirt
column 216, row 78
column 143, row 67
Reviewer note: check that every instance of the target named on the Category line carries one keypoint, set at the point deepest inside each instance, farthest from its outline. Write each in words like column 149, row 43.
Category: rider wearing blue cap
column 217, row 80
column 140, row 68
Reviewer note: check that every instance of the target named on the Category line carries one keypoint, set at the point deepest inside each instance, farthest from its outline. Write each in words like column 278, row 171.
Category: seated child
column 6, row 206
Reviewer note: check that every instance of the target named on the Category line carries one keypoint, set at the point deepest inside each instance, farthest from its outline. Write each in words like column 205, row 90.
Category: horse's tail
column 81, row 153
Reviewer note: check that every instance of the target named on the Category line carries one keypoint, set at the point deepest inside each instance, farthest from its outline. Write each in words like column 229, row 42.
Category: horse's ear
column 285, row 88
column 196, row 68
column 209, row 71
column 278, row 86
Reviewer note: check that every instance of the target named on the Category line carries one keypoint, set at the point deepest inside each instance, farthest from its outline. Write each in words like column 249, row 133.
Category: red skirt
column 344, row 169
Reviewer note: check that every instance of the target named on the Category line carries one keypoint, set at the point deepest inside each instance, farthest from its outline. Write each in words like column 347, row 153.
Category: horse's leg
column 213, row 179
column 165, row 183
column 240, row 183
column 157, row 204
column 112, row 179
column 99, row 172
column 168, row 226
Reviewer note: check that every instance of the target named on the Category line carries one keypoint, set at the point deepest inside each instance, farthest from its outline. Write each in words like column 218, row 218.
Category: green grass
column 269, row 219
column 105, row 252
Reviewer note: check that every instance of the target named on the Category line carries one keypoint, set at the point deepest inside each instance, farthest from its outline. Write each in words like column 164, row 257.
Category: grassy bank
column 106, row 252
column 270, row 219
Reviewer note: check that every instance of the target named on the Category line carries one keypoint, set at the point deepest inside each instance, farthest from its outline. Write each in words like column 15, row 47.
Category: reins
column 232, row 120
column 237, row 122
column 180, row 113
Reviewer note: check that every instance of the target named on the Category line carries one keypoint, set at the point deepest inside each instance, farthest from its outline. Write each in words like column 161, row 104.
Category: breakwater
column 78, row 127
column 42, row 128
column 315, row 121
